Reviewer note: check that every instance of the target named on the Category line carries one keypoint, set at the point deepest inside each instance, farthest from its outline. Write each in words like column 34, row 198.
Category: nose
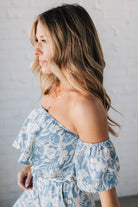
column 37, row 50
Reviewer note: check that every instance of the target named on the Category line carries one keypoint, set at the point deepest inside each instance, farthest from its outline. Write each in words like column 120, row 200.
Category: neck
column 63, row 85
column 61, row 88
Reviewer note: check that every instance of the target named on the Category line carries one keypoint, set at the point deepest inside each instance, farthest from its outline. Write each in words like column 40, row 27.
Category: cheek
column 47, row 53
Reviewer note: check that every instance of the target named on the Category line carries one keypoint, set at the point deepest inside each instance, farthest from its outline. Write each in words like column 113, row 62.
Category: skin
column 24, row 177
column 87, row 116
column 90, row 120
column 43, row 48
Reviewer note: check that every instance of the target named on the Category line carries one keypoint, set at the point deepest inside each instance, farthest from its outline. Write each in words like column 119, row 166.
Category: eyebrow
column 40, row 36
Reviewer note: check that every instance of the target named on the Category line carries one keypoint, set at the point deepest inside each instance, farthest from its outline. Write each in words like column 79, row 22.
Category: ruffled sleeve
column 25, row 141
column 97, row 166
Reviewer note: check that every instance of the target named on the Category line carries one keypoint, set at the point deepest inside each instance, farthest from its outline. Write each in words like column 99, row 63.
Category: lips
column 42, row 62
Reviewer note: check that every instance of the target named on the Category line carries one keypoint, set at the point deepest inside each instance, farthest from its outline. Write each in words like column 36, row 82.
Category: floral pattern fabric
column 66, row 171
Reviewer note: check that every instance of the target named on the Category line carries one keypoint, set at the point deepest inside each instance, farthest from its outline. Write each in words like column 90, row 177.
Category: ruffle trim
column 97, row 166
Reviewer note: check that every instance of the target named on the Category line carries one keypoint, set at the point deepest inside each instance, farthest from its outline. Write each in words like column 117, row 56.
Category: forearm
column 28, row 168
column 109, row 198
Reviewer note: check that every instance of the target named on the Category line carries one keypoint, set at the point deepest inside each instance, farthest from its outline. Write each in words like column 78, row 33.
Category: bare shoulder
column 89, row 119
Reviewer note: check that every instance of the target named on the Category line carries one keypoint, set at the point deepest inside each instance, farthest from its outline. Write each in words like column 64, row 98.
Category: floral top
column 66, row 171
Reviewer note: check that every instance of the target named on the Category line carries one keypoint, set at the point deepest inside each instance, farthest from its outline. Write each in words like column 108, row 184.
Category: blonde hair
column 77, row 48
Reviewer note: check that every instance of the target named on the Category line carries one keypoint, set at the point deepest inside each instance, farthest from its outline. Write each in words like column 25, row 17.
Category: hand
column 25, row 177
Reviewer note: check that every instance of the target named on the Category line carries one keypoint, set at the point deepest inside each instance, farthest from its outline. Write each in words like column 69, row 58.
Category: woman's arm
column 109, row 198
column 90, row 121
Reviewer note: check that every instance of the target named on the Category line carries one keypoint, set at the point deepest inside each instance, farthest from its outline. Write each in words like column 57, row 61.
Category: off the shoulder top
column 66, row 171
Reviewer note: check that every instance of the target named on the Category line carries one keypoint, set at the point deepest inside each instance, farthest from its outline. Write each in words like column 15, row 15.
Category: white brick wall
column 117, row 25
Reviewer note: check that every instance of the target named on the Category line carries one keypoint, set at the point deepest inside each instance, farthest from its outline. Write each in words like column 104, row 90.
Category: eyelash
column 36, row 40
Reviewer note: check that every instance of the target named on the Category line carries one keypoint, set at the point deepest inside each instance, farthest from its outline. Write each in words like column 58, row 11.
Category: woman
column 64, row 142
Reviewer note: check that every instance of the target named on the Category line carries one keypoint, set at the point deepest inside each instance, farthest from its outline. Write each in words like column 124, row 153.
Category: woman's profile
column 64, row 142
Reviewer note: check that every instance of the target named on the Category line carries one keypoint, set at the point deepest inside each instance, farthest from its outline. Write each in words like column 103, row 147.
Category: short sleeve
column 25, row 141
column 97, row 166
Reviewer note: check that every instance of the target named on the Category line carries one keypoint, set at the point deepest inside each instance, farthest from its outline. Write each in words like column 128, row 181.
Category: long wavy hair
column 77, row 48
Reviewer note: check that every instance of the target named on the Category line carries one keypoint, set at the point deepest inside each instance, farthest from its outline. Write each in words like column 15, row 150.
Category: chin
column 47, row 72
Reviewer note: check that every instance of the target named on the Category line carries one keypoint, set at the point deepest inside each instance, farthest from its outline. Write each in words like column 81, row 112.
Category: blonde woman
column 64, row 142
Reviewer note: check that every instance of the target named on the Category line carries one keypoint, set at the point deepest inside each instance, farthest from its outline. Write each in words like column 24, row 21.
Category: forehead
column 42, row 30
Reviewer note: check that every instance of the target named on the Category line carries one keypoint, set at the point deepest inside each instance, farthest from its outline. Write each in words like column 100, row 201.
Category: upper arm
column 109, row 198
column 90, row 120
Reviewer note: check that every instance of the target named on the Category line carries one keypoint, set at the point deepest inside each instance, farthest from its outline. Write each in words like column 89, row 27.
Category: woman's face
column 43, row 47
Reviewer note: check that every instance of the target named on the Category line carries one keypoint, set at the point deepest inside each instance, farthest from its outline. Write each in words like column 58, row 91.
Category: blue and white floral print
column 66, row 171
